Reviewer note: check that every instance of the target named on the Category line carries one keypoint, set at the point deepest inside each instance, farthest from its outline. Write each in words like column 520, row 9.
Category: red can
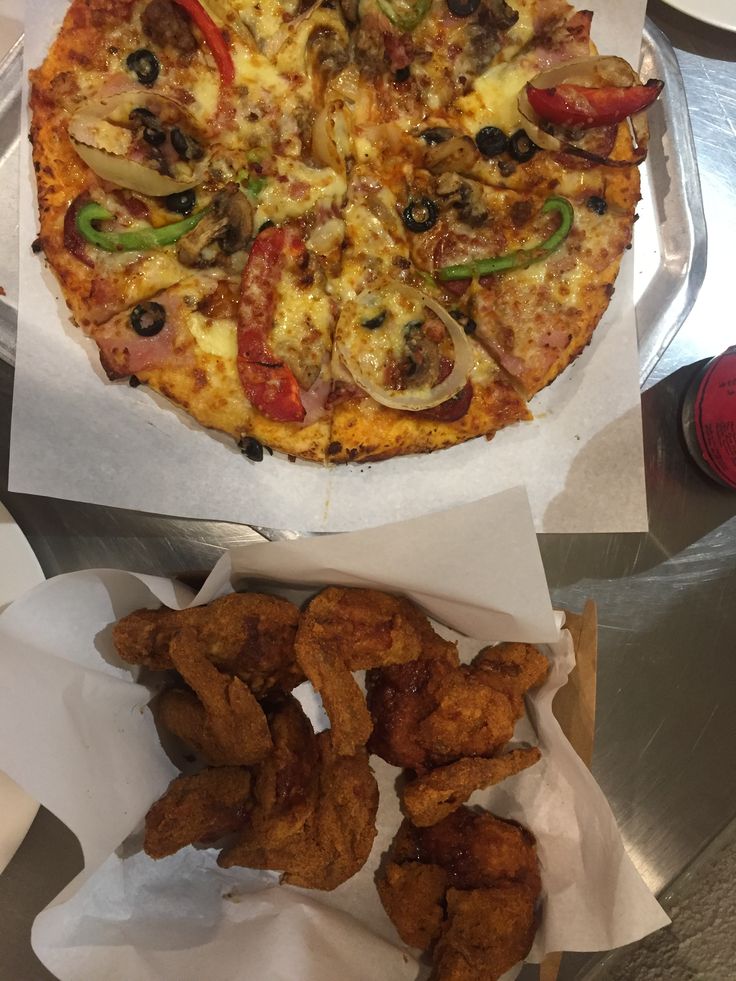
column 709, row 418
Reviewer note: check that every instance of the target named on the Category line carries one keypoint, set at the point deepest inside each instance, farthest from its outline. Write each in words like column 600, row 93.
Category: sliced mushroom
column 227, row 228
column 458, row 154
column 466, row 197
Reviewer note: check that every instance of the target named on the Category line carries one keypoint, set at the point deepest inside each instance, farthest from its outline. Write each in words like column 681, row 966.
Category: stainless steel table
column 666, row 728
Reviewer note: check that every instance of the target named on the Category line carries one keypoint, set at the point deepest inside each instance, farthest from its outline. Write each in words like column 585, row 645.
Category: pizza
column 347, row 230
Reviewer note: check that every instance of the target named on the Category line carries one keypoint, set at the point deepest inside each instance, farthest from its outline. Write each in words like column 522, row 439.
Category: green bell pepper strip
column 140, row 240
column 521, row 258
column 405, row 14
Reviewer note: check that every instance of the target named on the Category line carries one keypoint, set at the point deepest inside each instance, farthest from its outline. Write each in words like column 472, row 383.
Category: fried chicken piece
column 511, row 668
column 487, row 932
column 466, row 888
column 287, row 781
column 431, row 797
column 369, row 628
column 435, row 711
column 477, row 849
column 337, row 836
column 399, row 697
column 470, row 719
column 432, row 712
column 248, row 634
column 198, row 808
column 345, row 630
column 413, row 896
column 231, row 725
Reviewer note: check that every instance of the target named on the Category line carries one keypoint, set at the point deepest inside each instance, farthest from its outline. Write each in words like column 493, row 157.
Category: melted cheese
column 493, row 101
column 217, row 336
column 375, row 349
column 296, row 189
column 259, row 75
column 302, row 329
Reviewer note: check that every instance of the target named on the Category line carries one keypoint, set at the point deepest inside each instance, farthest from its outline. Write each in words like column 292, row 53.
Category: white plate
column 720, row 13
column 19, row 571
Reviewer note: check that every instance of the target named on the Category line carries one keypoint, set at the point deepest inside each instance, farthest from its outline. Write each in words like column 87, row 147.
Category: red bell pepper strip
column 213, row 38
column 579, row 107
column 268, row 383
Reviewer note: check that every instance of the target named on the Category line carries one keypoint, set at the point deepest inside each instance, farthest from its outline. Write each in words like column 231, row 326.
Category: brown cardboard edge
column 574, row 709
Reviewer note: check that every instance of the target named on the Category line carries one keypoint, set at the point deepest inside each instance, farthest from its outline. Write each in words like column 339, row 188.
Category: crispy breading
column 182, row 714
column 511, row 668
column 477, row 849
column 465, row 888
column 413, row 896
column 434, row 711
column 345, row 630
column 287, row 781
column 234, row 724
column 487, row 932
column 248, row 634
column 399, row 697
column 430, row 798
column 337, row 836
column 369, row 628
column 470, row 719
column 198, row 808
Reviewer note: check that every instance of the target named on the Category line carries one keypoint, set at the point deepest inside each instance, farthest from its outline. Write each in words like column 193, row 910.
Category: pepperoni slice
column 269, row 384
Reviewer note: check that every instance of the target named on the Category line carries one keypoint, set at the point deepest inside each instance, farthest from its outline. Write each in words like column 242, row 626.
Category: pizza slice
column 248, row 357
column 408, row 376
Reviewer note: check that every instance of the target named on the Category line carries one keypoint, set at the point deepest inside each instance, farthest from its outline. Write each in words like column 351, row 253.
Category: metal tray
column 670, row 241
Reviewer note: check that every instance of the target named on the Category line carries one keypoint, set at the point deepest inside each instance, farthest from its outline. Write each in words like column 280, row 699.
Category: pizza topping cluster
column 280, row 179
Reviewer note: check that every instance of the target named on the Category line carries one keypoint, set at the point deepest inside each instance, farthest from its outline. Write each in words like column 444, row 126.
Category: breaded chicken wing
column 413, row 895
column 430, row 798
column 334, row 834
column 487, row 932
column 465, row 888
column 345, row 630
column 434, row 711
column 511, row 668
column 247, row 634
column 198, row 808
column 232, row 724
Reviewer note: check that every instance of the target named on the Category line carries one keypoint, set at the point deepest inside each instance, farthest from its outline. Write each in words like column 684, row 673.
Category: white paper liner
column 74, row 732
column 77, row 436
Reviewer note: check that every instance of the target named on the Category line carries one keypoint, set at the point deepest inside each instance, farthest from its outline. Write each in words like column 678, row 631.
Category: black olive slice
column 402, row 74
column 145, row 66
column 153, row 131
column 491, row 141
column 466, row 322
column 250, row 447
column 374, row 322
column 597, row 204
column 148, row 319
column 521, row 147
column 266, row 224
column 186, row 146
column 420, row 215
column 462, row 8
column 181, row 203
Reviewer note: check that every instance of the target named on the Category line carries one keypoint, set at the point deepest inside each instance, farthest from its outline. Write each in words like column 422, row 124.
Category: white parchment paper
column 77, row 436
column 76, row 733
